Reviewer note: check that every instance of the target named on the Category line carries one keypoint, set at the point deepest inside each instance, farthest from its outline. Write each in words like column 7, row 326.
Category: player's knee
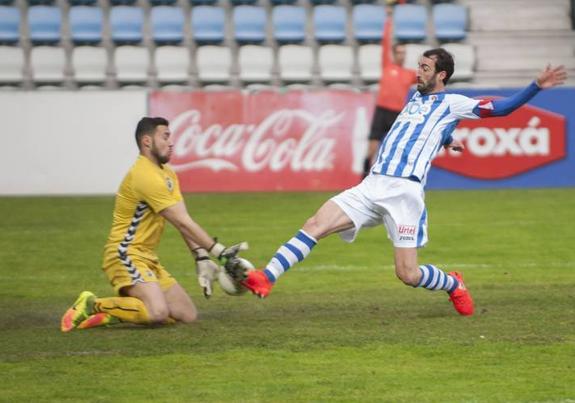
column 407, row 274
column 158, row 313
column 188, row 317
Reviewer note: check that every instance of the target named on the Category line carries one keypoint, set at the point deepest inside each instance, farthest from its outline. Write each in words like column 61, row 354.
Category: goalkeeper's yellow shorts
column 132, row 269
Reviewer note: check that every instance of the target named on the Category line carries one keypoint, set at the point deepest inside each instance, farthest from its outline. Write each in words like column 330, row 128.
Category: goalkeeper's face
column 162, row 144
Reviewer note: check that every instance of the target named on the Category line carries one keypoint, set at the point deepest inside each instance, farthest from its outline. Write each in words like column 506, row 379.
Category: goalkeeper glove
column 223, row 254
column 206, row 270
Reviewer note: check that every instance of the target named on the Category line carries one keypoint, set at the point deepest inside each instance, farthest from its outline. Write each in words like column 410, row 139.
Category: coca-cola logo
column 286, row 138
column 497, row 148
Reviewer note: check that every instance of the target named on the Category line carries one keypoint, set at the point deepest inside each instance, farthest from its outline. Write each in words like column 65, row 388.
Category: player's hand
column 456, row 145
column 207, row 271
column 551, row 77
column 223, row 253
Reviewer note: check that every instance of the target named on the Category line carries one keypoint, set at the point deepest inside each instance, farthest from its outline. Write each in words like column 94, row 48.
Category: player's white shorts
column 398, row 203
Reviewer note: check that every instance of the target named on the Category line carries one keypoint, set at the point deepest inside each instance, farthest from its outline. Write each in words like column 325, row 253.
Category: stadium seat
column 369, row 58
column 44, row 23
column 122, row 2
column 288, row 24
column 214, row 64
column 195, row 3
column 167, row 25
column 282, row 2
column 48, row 64
column 335, row 63
column 131, row 64
column 329, row 23
column 320, row 2
column 154, row 3
column 236, row 3
column 86, row 25
column 450, row 21
column 249, row 24
column 83, row 2
column 413, row 52
column 126, row 23
column 172, row 64
column 255, row 63
column 295, row 63
column 6, row 2
column 368, row 20
column 410, row 22
column 9, row 25
column 40, row 2
column 12, row 66
column 89, row 64
column 208, row 24
column 464, row 56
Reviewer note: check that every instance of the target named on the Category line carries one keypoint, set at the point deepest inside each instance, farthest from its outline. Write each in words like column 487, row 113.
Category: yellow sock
column 127, row 309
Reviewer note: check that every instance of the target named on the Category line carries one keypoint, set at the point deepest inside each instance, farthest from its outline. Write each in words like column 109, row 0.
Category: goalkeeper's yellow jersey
column 137, row 226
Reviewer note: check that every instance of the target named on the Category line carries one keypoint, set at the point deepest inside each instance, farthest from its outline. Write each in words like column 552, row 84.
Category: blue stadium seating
column 40, row 2
column 195, row 3
column 163, row 2
column 9, row 25
column 208, row 24
column 288, row 24
column 86, row 25
column 329, row 24
column 126, row 23
column 450, row 21
column 167, row 25
column 282, row 2
column 44, row 23
column 83, row 2
column 6, row 2
column 243, row 2
column 368, row 21
column 122, row 2
column 249, row 24
column 409, row 21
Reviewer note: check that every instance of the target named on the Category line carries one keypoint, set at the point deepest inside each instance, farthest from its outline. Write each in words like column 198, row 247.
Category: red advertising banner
column 497, row 148
column 236, row 141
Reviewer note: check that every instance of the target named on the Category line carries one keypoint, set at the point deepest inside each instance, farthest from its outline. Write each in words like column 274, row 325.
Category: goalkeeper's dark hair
column 443, row 61
column 147, row 126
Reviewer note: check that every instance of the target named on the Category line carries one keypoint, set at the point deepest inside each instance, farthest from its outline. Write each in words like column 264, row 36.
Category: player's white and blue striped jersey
column 424, row 125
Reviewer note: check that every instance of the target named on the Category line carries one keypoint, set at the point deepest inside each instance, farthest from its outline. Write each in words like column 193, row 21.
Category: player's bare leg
column 329, row 219
column 153, row 299
column 180, row 305
column 430, row 277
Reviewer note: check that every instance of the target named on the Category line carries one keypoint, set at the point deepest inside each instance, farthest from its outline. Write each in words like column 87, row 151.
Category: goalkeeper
column 147, row 293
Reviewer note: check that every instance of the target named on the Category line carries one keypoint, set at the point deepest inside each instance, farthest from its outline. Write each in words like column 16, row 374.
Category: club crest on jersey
column 170, row 184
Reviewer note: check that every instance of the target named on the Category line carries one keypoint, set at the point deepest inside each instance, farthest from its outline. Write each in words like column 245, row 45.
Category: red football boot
column 258, row 283
column 461, row 298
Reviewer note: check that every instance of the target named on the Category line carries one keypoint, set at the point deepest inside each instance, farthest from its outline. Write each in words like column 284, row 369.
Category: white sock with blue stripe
column 293, row 251
column 434, row 279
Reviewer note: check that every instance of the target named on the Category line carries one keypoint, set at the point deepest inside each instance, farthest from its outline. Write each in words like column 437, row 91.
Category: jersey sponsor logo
column 497, row 148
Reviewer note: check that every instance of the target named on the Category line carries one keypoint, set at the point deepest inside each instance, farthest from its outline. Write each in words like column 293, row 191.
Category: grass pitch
column 338, row 327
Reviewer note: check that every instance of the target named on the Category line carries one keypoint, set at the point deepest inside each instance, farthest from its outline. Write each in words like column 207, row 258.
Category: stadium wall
column 82, row 142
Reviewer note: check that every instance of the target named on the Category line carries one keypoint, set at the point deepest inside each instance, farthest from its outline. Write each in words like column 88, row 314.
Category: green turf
column 338, row 327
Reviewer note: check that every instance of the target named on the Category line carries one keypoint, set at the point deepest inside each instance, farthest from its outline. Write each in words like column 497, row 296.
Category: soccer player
column 147, row 293
column 393, row 193
column 394, row 86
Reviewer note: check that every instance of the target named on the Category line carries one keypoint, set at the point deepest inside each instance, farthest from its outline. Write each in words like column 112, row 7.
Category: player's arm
column 386, row 46
column 548, row 78
column 200, row 244
column 195, row 236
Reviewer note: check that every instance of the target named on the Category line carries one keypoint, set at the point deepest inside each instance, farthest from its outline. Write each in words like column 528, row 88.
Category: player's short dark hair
column 148, row 125
column 443, row 61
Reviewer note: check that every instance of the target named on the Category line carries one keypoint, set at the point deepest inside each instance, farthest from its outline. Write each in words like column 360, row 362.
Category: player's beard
column 162, row 159
column 428, row 87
